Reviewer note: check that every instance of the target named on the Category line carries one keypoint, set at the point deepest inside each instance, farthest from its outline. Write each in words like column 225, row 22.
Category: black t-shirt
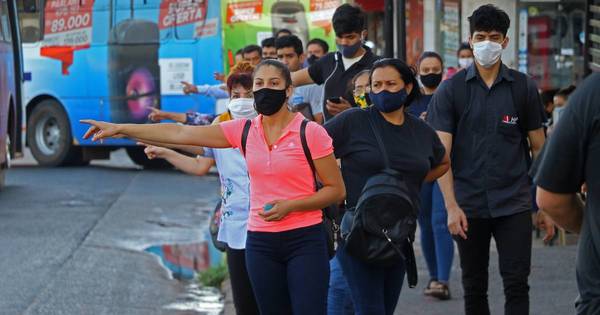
column 570, row 158
column 413, row 148
column 329, row 70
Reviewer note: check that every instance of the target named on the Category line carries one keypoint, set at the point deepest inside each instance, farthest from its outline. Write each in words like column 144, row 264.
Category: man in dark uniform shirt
column 487, row 191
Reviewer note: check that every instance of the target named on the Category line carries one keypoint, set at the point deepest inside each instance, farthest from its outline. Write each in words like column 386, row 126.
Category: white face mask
column 242, row 108
column 465, row 62
column 487, row 53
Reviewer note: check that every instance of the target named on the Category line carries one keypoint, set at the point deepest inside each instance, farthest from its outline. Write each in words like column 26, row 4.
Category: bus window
column 30, row 21
column 4, row 20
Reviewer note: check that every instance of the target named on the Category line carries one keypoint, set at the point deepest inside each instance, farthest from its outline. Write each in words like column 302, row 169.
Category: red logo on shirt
column 510, row 120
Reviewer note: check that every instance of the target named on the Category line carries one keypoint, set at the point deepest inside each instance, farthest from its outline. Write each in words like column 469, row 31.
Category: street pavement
column 73, row 239
column 72, row 242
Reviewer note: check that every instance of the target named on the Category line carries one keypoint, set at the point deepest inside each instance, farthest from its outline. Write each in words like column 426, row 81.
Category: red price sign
column 245, row 11
column 180, row 12
column 321, row 5
column 68, row 22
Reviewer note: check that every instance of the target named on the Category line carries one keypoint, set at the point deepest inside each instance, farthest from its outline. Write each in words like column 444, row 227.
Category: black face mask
column 269, row 101
column 431, row 80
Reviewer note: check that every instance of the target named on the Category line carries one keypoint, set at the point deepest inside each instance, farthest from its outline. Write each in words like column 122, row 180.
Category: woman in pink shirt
column 286, row 247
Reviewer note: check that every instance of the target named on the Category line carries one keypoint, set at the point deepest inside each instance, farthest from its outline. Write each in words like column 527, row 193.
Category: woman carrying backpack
column 286, row 247
column 413, row 152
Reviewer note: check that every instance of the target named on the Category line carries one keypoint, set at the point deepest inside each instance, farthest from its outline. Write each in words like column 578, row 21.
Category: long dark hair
column 407, row 74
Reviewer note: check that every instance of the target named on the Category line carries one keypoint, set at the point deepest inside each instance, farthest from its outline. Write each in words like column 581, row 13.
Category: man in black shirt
column 485, row 116
column 336, row 69
column 570, row 158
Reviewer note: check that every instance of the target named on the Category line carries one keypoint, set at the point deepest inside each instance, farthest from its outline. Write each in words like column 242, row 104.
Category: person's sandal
column 428, row 289
column 440, row 291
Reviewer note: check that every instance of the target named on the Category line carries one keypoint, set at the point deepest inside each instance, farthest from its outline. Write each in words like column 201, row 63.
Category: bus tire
column 137, row 155
column 49, row 136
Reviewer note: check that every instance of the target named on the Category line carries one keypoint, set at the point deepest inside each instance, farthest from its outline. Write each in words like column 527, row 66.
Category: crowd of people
column 307, row 130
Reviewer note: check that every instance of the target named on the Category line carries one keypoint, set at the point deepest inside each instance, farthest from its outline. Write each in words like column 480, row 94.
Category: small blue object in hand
column 268, row 207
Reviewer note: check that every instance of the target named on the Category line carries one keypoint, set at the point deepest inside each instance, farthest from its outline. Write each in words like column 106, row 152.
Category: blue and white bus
column 111, row 60
column 10, row 86
column 114, row 60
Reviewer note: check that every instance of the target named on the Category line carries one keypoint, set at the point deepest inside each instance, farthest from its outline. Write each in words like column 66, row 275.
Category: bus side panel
column 86, row 87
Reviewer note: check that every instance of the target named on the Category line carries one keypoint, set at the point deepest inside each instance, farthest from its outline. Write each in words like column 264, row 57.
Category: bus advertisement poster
column 248, row 22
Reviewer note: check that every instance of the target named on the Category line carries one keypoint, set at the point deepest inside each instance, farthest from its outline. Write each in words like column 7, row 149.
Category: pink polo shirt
column 282, row 173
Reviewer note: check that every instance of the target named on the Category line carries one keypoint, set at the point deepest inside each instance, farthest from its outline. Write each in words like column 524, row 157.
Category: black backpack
column 384, row 220
column 330, row 214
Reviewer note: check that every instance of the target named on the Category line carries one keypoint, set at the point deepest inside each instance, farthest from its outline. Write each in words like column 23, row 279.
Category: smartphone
column 334, row 100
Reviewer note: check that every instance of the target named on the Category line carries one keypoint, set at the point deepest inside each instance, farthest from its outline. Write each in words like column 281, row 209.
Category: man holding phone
column 335, row 70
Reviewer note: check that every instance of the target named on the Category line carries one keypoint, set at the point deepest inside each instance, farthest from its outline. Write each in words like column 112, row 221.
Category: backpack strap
column 330, row 213
column 306, row 150
column 247, row 126
column 461, row 94
column 386, row 160
column 518, row 89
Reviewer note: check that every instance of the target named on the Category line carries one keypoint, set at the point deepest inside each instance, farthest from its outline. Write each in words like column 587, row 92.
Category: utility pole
column 394, row 29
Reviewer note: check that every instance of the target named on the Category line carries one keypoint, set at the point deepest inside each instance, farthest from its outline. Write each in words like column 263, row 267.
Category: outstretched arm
column 206, row 136
column 196, row 166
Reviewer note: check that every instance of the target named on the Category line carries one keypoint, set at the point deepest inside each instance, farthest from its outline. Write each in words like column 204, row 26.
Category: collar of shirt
column 503, row 73
column 292, row 127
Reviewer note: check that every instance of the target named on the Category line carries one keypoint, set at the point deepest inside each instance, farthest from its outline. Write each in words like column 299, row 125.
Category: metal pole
column 401, row 31
column 388, row 28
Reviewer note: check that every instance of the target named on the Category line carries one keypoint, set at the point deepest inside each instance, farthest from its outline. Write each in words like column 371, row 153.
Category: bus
column 115, row 60
column 10, row 87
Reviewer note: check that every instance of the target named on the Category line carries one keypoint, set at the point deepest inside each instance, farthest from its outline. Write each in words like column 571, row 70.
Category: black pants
column 243, row 296
column 513, row 242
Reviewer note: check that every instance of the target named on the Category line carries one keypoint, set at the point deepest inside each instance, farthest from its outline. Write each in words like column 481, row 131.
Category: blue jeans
column 436, row 241
column 339, row 300
column 289, row 270
column 375, row 290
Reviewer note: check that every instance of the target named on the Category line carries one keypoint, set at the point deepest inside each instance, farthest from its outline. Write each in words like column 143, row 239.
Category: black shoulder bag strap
column 386, row 161
column 519, row 89
column 407, row 252
column 247, row 126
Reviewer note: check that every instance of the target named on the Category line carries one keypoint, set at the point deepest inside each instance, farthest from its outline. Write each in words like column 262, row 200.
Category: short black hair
column 268, row 42
column 407, row 74
column 283, row 70
column 252, row 48
column 290, row 41
column 348, row 19
column 463, row 46
column 488, row 18
column 283, row 30
column 320, row 42
column 239, row 51
column 431, row 54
